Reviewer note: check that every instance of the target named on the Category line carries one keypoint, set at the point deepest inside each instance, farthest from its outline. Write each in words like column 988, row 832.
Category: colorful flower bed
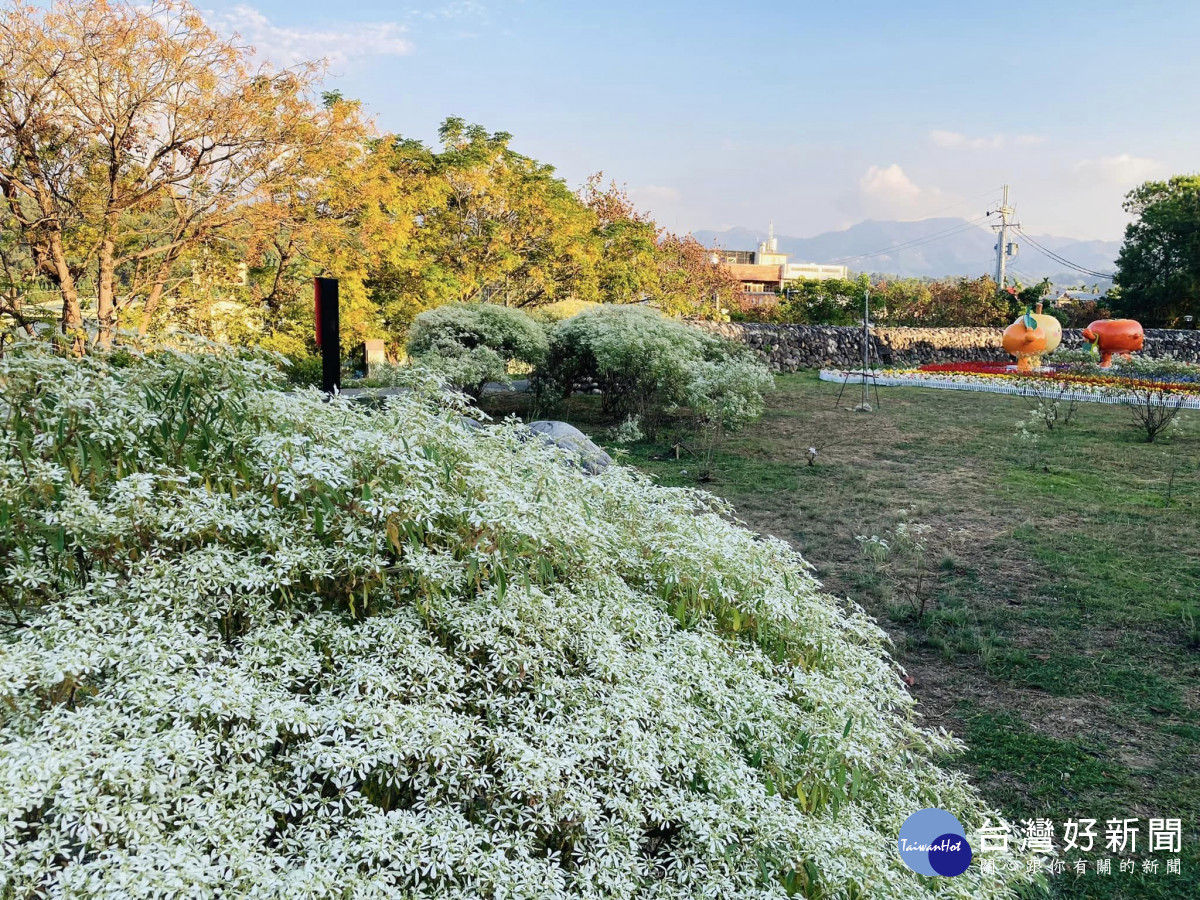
column 1185, row 383
column 1169, row 380
column 966, row 367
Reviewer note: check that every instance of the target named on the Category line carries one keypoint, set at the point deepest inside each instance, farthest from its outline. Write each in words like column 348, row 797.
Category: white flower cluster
column 265, row 645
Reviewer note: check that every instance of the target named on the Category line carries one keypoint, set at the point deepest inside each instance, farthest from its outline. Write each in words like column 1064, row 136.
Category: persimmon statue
column 1030, row 336
column 1109, row 336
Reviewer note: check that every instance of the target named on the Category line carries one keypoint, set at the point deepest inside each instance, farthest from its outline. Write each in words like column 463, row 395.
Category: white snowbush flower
column 267, row 645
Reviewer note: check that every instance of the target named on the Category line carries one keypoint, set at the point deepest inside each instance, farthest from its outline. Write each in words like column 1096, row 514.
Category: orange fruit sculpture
column 1109, row 336
column 1030, row 336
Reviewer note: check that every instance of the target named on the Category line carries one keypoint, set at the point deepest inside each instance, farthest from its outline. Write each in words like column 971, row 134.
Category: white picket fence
column 930, row 380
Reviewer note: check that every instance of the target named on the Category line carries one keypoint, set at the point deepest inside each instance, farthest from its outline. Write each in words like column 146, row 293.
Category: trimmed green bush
column 470, row 344
column 299, row 648
column 645, row 362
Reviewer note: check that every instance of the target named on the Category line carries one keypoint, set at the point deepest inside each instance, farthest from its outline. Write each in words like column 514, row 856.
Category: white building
column 814, row 271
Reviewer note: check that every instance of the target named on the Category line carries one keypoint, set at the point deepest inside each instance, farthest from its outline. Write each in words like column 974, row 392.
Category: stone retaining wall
column 787, row 348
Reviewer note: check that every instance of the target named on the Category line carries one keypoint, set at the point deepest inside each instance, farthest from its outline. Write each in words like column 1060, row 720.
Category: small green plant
column 1054, row 412
column 1027, row 441
column 904, row 561
column 1051, row 404
column 628, row 432
column 1172, row 467
column 1191, row 629
column 1153, row 408
column 719, row 397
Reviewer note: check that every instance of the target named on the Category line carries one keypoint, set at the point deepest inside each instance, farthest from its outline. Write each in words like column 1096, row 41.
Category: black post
column 328, row 339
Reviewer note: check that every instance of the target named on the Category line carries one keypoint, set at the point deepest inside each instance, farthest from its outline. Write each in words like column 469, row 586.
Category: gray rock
column 592, row 459
column 516, row 386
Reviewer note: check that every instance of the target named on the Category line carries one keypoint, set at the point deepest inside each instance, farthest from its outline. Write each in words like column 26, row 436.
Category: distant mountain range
column 932, row 248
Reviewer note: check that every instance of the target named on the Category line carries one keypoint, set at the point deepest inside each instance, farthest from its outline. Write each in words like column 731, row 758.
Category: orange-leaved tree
column 131, row 134
column 691, row 281
column 627, row 267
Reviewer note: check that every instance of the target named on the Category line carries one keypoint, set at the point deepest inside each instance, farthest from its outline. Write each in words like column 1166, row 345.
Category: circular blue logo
column 933, row 842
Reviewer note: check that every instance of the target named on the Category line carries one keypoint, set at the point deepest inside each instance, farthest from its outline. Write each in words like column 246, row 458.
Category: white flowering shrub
column 470, row 344
column 643, row 361
column 265, row 645
column 628, row 432
column 1163, row 368
column 726, row 394
column 719, row 396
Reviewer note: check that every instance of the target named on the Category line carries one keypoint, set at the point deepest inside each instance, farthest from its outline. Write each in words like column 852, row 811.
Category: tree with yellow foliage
column 627, row 267
column 131, row 134
column 509, row 231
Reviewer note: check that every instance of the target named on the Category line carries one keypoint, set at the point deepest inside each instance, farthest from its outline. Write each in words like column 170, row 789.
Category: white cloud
column 889, row 184
column 1125, row 169
column 954, row 140
column 888, row 191
column 456, row 9
column 287, row 46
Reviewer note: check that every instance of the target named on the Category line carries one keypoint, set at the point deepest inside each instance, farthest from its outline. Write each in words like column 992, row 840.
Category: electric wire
column 1062, row 259
column 958, row 228
column 1024, row 276
column 965, row 201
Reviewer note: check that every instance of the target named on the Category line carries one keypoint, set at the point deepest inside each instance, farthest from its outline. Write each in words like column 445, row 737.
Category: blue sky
column 814, row 115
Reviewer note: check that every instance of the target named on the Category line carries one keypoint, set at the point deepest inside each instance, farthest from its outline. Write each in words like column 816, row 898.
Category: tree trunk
column 152, row 301
column 50, row 257
column 72, row 312
column 271, row 300
column 156, row 292
column 105, row 296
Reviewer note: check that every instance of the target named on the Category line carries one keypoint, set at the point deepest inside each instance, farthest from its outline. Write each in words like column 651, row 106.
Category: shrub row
column 644, row 363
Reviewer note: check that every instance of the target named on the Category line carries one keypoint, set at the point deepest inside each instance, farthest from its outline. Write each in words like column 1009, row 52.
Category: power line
column 924, row 239
column 1062, row 260
column 916, row 242
column 971, row 199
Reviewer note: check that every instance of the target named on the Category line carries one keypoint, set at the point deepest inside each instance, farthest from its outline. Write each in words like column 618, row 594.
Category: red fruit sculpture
column 1109, row 336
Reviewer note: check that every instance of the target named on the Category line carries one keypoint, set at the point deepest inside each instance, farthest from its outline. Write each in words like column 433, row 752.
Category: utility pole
column 1002, row 244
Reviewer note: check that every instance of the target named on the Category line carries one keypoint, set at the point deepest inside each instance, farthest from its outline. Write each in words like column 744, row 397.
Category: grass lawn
column 1060, row 635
